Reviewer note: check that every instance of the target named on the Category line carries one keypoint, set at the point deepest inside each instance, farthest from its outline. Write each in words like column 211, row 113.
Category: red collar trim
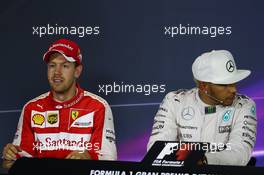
column 70, row 102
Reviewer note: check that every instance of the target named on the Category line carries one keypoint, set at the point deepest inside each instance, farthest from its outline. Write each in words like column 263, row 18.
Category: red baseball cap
column 69, row 49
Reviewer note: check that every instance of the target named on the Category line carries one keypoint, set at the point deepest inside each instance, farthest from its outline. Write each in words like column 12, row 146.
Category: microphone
column 212, row 97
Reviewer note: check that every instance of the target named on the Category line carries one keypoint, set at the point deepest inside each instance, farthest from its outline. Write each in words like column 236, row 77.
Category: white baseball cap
column 218, row 67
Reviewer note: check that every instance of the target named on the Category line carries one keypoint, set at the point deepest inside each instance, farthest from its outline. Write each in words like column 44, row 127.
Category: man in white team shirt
column 212, row 112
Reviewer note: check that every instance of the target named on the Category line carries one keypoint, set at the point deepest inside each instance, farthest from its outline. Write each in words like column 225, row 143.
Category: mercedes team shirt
column 182, row 116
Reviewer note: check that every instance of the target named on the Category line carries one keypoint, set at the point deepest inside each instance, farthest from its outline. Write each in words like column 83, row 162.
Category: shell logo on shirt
column 38, row 119
column 45, row 119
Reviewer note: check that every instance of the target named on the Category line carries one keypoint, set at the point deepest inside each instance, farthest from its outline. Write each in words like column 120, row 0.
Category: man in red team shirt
column 66, row 122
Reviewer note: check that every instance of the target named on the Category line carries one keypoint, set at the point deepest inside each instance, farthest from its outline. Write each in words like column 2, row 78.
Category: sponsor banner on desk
column 175, row 154
column 92, row 167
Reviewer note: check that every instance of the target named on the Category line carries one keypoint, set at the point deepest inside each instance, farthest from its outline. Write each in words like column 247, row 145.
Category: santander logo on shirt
column 64, row 141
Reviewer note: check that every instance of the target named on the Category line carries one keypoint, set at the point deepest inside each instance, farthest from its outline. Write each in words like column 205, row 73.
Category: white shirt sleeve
column 241, row 141
column 164, row 127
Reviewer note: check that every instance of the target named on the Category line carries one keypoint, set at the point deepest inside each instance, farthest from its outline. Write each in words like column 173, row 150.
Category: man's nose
column 58, row 69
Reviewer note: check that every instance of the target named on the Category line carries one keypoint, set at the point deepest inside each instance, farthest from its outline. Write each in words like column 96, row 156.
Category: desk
column 25, row 166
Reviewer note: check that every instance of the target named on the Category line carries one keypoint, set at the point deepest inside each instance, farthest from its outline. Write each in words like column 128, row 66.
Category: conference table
column 49, row 166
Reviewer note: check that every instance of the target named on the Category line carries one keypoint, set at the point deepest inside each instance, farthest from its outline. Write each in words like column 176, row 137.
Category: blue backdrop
column 135, row 42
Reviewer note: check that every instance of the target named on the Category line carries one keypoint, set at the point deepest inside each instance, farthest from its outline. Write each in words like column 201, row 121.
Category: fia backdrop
column 146, row 45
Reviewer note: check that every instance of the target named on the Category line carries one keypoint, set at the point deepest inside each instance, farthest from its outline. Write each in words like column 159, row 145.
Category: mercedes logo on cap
column 230, row 66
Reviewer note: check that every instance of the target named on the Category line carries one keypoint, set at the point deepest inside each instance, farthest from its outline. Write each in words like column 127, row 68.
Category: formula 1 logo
column 169, row 156
column 168, row 150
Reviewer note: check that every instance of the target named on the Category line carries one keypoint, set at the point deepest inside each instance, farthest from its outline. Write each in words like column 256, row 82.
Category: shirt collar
column 69, row 103
column 205, row 108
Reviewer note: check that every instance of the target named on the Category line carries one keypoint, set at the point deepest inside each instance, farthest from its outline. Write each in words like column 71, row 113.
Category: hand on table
column 79, row 155
column 10, row 151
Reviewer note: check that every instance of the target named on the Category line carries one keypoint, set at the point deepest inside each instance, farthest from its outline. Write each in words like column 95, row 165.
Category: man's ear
column 78, row 71
column 203, row 86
